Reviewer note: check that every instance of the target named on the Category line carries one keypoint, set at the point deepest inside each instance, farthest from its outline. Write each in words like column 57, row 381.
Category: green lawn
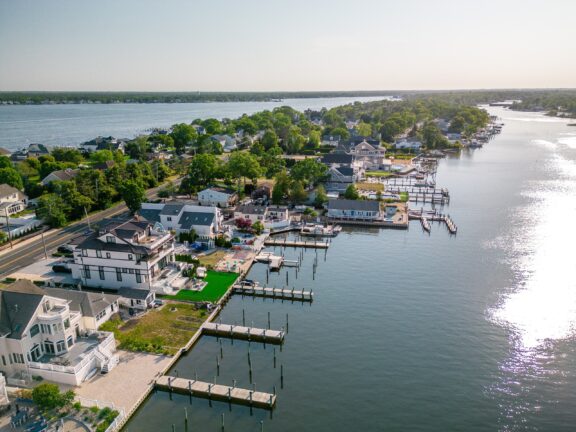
column 379, row 173
column 218, row 284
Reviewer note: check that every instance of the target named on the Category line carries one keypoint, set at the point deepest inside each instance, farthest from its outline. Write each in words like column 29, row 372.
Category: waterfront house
column 360, row 210
column 277, row 217
column 119, row 253
column 200, row 130
column 96, row 308
column 12, row 201
column 251, row 212
column 413, row 144
column 60, row 175
column 217, row 197
column 33, row 150
column 103, row 143
column 183, row 217
column 44, row 335
column 340, row 178
column 371, row 157
column 227, row 142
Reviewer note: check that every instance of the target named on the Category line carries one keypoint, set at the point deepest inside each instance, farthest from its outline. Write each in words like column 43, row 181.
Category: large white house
column 44, row 335
column 182, row 217
column 217, row 197
column 12, row 201
column 371, row 157
column 121, row 254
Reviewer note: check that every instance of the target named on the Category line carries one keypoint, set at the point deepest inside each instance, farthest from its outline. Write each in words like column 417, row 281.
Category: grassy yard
column 377, row 187
column 212, row 259
column 379, row 174
column 161, row 331
column 218, row 284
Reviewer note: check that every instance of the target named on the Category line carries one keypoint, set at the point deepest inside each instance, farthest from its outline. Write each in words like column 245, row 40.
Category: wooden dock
column 298, row 243
column 242, row 332
column 277, row 293
column 216, row 391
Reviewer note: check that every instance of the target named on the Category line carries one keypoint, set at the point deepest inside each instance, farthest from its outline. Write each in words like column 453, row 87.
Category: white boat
column 317, row 230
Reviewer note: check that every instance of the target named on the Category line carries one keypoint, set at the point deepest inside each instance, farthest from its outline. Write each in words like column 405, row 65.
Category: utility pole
column 8, row 227
column 87, row 218
column 44, row 244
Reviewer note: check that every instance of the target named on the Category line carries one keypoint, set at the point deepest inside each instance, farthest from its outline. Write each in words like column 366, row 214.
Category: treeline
column 40, row 98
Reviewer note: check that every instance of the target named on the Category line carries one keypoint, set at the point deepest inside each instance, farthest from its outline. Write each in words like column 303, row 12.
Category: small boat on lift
column 318, row 230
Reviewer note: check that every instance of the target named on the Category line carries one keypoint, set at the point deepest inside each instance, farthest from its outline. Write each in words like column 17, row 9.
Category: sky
column 281, row 45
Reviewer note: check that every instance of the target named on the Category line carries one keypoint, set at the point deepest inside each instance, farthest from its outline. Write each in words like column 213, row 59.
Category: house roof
column 251, row 209
column 172, row 209
column 18, row 303
column 134, row 293
column 337, row 158
column 344, row 204
column 104, row 165
column 345, row 171
column 188, row 219
column 88, row 303
column 221, row 190
column 152, row 215
column 6, row 190
column 67, row 174
column 38, row 148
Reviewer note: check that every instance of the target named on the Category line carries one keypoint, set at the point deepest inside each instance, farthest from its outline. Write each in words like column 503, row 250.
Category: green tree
column 102, row 156
column 269, row 139
column 183, row 135
column 364, row 129
column 11, row 177
column 133, row 195
column 258, row 227
column 51, row 209
column 138, row 147
column 62, row 154
column 5, row 162
column 76, row 204
column 351, row 193
column 203, row 170
column 308, row 171
column 321, row 197
column 212, row 126
column 297, row 193
column 48, row 396
column 281, row 187
column 243, row 165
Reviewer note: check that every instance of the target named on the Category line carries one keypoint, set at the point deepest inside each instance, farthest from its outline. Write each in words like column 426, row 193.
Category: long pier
column 242, row 332
column 216, row 391
column 298, row 243
column 424, row 217
column 277, row 293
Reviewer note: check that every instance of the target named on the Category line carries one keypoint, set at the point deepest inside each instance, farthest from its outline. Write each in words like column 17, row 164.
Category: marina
column 216, row 391
column 275, row 293
column 315, row 244
column 242, row 332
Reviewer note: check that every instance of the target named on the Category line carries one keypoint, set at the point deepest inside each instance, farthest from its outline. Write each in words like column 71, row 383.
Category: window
column 48, row 347
column 3, row 360
column 84, row 252
column 35, row 352
column 130, row 257
column 169, row 218
column 87, row 271
column 108, row 255
column 138, row 276
column 70, row 341
column 110, row 239
column 34, row 330
column 98, row 253
column 118, row 275
column 131, row 271
column 45, row 328
column 124, row 270
column 101, row 273
column 61, row 346
column 66, row 323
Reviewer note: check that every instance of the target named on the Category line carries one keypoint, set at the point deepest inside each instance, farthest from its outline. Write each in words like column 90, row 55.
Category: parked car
column 157, row 303
column 61, row 268
column 65, row 249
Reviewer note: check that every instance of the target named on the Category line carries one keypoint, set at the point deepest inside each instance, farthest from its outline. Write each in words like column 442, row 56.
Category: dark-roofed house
column 251, row 212
column 44, row 335
column 62, row 175
column 136, row 298
column 339, row 159
column 180, row 216
column 217, row 197
column 121, row 253
column 340, row 178
column 103, row 143
column 368, row 210
column 103, row 166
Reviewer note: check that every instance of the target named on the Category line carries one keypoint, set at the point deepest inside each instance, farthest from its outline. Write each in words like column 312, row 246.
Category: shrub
column 77, row 406
column 48, row 396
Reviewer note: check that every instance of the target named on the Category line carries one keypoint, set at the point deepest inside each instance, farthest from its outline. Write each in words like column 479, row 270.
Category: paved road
column 32, row 251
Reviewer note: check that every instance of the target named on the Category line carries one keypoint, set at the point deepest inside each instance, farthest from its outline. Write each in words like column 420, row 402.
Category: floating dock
column 298, row 243
column 242, row 332
column 434, row 216
column 277, row 293
column 216, row 391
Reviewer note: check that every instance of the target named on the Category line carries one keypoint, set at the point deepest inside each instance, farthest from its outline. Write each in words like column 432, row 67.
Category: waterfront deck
column 277, row 293
column 298, row 243
column 242, row 332
column 216, row 391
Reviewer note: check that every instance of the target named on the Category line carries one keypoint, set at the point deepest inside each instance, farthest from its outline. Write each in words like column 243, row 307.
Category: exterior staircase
column 106, row 359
